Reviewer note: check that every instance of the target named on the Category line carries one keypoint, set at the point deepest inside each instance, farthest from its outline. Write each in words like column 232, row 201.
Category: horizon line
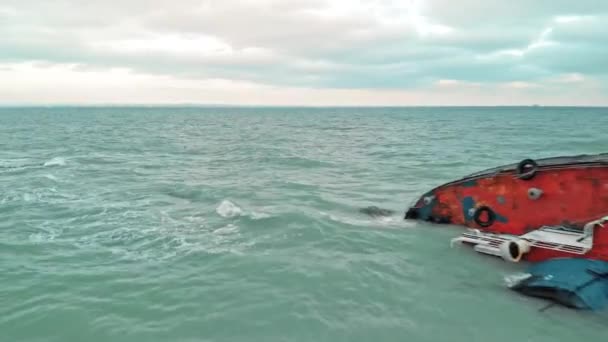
column 210, row 105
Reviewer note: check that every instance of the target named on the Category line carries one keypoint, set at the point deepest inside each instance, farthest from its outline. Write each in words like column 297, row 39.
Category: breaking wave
column 228, row 209
column 57, row 161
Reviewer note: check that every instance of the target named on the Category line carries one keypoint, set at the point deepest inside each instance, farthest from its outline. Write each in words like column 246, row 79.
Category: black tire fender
column 526, row 169
column 490, row 213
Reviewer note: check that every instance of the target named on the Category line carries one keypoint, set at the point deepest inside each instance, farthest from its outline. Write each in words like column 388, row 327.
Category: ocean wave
column 57, row 161
column 50, row 176
column 41, row 238
column 27, row 197
column 17, row 166
column 227, row 230
column 378, row 221
column 186, row 193
column 259, row 216
column 228, row 209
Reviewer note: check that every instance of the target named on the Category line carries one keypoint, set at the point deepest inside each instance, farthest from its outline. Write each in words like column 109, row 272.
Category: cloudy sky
column 305, row 52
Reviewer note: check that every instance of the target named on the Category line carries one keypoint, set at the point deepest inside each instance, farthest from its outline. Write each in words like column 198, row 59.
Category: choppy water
column 243, row 224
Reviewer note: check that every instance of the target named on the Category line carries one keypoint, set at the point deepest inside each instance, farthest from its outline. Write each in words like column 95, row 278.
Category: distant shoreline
column 210, row 106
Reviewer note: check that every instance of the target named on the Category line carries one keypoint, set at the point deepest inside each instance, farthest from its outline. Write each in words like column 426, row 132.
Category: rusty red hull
column 517, row 198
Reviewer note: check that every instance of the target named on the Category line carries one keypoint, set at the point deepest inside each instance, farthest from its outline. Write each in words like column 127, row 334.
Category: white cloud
column 198, row 49
column 571, row 78
column 66, row 83
column 201, row 45
column 520, row 85
column 567, row 19
column 7, row 12
column 386, row 45
column 541, row 41
column 456, row 84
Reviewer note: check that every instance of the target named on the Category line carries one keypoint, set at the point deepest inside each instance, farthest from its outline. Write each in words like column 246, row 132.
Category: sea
column 184, row 224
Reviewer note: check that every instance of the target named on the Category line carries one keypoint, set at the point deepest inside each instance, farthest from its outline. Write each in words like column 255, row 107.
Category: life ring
column 490, row 214
column 526, row 169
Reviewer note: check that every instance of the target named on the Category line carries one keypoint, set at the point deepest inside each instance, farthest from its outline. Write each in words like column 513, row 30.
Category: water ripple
column 193, row 224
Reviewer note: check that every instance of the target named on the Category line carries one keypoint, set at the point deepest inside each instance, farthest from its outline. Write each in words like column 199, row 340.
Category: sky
column 304, row 52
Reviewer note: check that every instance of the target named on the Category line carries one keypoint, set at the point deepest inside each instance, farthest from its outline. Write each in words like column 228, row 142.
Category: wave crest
column 228, row 209
column 57, row 161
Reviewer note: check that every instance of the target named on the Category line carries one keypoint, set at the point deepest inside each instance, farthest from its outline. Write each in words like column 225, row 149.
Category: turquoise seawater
column 243, row 224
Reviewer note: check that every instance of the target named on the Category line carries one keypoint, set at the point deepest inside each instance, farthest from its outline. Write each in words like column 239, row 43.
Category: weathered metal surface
column 563, row 191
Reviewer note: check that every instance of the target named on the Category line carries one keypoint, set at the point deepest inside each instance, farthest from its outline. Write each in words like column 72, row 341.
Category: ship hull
column 515, row 199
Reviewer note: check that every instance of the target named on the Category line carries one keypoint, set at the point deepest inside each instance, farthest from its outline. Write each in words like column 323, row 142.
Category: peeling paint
column 577, row 192
column 469, row 184
column 467, row 204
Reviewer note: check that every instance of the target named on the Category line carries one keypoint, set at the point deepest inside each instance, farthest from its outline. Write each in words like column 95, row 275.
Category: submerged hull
column 581, row 284
column 515, row 199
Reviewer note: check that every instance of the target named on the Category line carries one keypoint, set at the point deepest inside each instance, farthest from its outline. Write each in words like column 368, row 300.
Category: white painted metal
column 554, row 238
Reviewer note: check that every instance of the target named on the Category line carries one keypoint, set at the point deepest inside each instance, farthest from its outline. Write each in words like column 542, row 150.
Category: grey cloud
column 511, row 13
column 308, row 47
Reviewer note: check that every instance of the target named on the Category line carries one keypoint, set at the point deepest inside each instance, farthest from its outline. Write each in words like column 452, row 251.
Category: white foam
column 384, row 221
column 514, row 279
column 229, row 229
column 40, row 238
column 389, row 219
column 258, row 216
column 57, row 161
column 195, row 219
column 51, row 177
column 228, row 209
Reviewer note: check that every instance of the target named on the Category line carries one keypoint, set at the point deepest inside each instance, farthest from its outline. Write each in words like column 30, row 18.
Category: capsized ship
column 518, row 198
column 533, row 210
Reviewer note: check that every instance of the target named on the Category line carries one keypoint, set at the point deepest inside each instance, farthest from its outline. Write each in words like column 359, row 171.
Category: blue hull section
column 576, row 283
